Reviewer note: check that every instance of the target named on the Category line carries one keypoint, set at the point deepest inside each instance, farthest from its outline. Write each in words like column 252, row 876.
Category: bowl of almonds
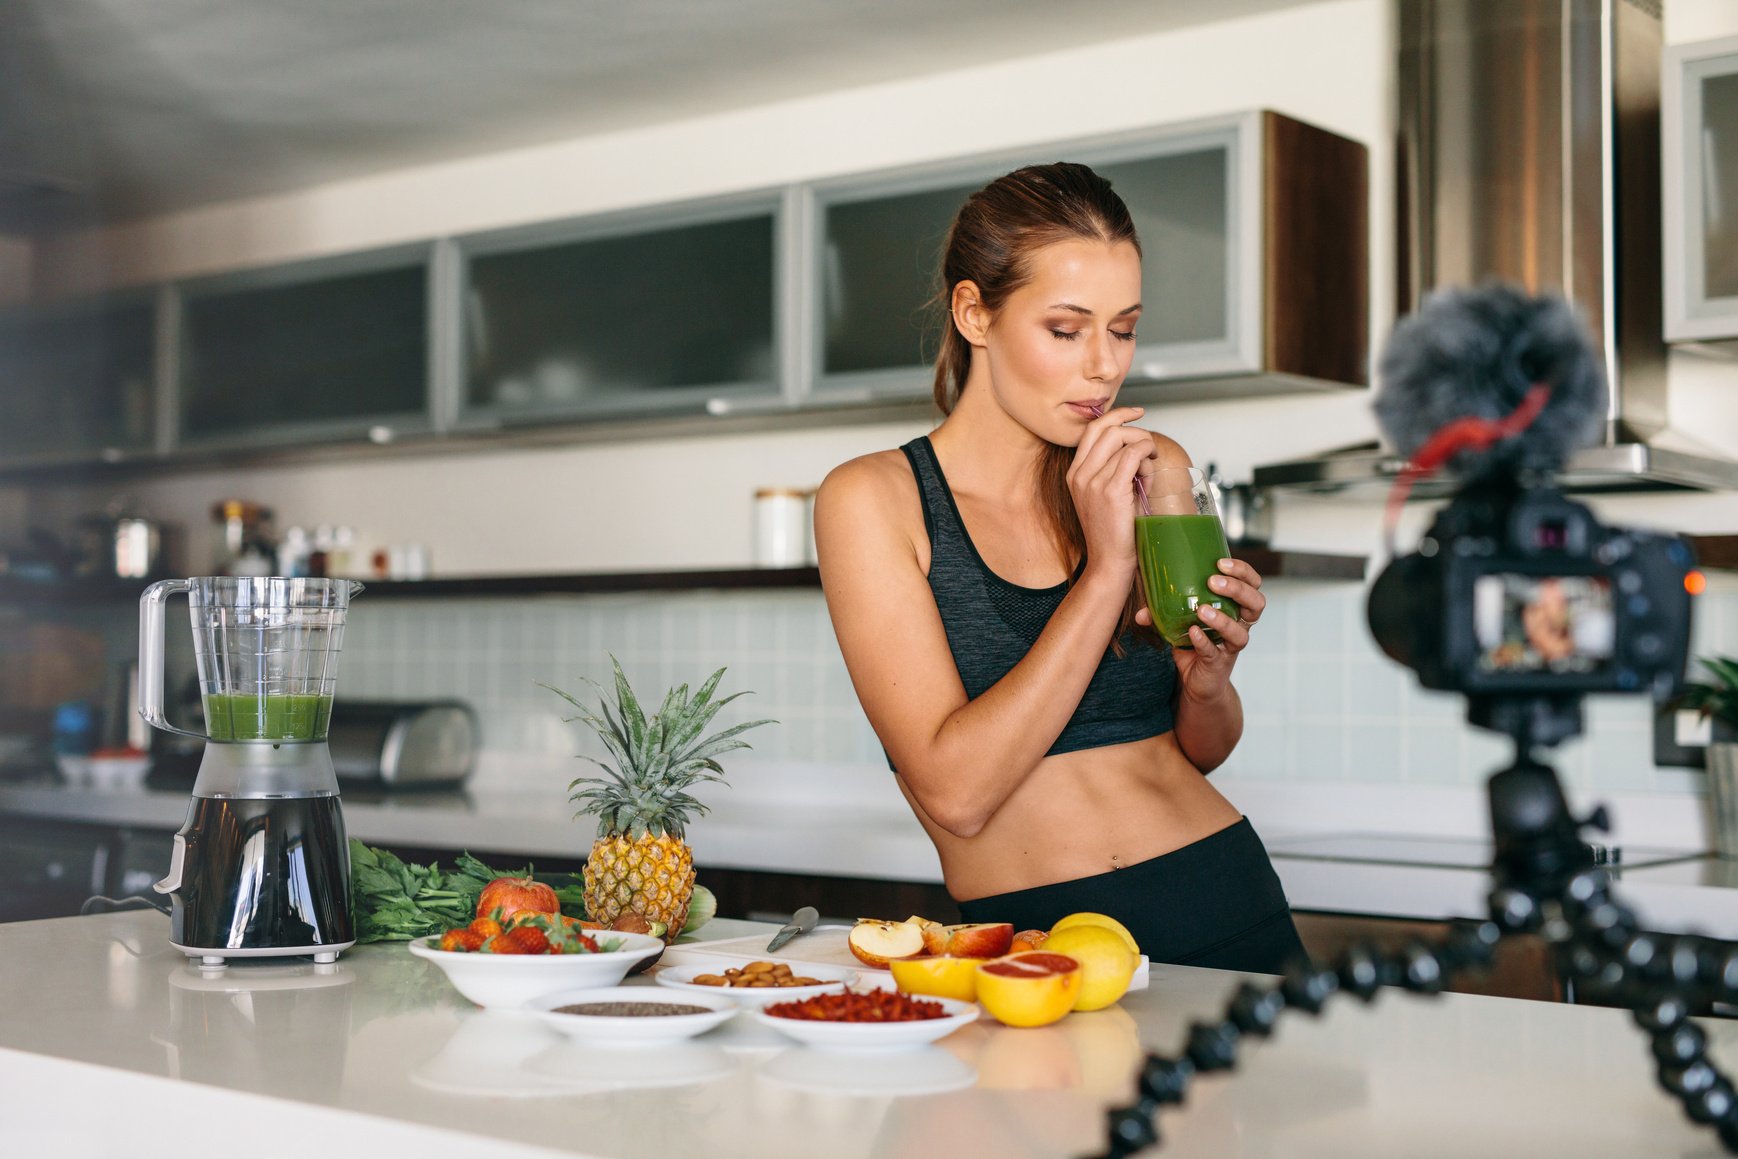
column 756, row 983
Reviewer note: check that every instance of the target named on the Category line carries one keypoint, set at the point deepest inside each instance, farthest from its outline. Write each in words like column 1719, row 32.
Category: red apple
column 934, row 934
column 979, row 939
column 513, row 895
column 874, row 942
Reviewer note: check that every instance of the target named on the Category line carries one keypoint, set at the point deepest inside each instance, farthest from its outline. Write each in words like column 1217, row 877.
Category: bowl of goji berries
column 507, row 967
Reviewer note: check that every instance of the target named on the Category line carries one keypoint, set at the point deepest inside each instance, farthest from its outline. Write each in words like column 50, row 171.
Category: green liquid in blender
column 274, row 716
column 1178, row 555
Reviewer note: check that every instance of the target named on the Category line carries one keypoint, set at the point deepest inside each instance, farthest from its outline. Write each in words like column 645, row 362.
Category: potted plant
column 1718, row 699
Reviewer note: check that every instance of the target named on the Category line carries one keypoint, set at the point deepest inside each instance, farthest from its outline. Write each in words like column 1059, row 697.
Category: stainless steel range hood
column 1528, row 151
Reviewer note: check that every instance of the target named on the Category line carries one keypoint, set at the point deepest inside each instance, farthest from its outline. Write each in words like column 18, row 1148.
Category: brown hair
column 991, row 244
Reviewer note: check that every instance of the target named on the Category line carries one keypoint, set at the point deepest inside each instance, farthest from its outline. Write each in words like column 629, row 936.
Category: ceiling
column 111, row 109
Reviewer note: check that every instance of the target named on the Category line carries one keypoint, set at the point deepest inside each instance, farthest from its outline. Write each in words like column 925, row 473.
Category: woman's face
column 1061, row 344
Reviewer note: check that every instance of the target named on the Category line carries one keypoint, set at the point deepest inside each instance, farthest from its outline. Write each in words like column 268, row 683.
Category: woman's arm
column 962, row 759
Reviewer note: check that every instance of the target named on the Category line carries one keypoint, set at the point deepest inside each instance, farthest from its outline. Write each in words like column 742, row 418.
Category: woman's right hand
column 1107, row 461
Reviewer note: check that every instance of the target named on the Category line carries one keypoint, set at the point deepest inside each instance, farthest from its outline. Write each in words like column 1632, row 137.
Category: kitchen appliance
column 261, row 867
column 1244, row 510
column 1529, row 152
column 403, row 744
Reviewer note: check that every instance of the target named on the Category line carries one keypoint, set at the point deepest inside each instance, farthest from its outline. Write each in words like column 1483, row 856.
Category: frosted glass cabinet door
column 1699, row 133
column 880, row 319
column 76, row 382
column 629, row 323
column 327, row 356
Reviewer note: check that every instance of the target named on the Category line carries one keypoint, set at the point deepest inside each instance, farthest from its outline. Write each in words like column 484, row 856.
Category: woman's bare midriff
column 1084, row 813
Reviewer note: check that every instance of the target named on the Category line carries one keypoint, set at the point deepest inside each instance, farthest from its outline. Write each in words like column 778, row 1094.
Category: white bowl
column 630, row 1029
column 873, row 1035
column 511, row 980
column 681, row 978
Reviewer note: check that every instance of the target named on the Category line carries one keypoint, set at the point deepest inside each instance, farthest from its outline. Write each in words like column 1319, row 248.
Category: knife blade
column 801, row 923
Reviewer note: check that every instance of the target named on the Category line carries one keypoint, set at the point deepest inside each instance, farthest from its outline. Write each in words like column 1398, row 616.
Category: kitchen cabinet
column 1699, row 131
column 78, row 380
column 627, row 315
column 1254, row 261
column 313, row 352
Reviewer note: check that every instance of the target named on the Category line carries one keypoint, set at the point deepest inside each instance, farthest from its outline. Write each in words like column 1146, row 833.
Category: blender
column 261, row 868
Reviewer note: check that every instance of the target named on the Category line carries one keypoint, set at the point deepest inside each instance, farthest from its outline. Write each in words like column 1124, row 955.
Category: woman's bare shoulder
column 881, row 480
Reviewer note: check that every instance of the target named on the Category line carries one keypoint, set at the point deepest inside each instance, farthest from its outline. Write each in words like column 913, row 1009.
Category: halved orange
column 938, row 976
column 1035, row 988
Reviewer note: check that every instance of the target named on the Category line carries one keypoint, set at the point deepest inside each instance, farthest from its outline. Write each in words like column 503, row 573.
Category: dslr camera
column 1517, row 596
column 1518, row 590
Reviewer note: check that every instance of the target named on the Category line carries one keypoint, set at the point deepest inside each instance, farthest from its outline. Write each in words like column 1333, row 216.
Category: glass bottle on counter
column 247, row 543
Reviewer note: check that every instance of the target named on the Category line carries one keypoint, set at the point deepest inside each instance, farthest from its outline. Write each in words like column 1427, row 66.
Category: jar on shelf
column 782, row 533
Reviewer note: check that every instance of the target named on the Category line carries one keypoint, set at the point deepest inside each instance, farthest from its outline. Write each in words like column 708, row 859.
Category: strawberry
column 485, row 927
column 463, row 941
column 520, row 940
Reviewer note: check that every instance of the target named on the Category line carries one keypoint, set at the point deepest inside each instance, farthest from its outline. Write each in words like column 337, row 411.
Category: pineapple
column 639, row 860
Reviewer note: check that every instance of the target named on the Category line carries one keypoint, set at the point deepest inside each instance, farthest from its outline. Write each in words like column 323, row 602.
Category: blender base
column 214, row 959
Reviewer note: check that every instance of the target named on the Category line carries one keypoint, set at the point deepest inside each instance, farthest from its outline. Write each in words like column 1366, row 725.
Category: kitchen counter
column 1369, row 872
column 118, row 1046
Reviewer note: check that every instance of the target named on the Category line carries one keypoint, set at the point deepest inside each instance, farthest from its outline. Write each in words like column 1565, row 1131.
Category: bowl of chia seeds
column 631, row 1015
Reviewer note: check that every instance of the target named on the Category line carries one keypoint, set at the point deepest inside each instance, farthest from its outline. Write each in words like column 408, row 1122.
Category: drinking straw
column 1140, row 484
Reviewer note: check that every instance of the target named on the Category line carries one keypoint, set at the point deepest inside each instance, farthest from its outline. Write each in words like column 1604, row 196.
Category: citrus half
column 1031, row 989
column 937, row 976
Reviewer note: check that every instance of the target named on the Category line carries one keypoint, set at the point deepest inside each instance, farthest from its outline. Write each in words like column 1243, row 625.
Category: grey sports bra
column 991, row 624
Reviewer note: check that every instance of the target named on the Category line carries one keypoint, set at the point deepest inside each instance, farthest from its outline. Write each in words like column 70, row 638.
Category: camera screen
column 1557, row 624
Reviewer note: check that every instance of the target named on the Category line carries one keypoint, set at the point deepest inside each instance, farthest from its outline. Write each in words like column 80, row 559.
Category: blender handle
column 151, row 654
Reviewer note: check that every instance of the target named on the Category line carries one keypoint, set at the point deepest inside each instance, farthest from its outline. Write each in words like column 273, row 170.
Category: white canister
column 781, row 527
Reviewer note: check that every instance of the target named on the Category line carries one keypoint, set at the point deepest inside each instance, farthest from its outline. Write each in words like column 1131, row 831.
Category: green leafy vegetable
column 395, row 900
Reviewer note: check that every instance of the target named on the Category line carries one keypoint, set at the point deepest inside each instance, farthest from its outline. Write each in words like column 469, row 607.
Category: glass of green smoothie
column 1179, row 545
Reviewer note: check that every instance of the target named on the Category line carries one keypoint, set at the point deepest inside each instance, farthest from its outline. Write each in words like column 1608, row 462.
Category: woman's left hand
column 1204, row 671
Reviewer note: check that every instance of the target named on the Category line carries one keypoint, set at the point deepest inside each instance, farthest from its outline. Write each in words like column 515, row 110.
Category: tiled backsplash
column 1321, row 703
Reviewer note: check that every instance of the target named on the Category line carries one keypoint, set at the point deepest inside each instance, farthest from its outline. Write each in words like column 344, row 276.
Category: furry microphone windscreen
column 1476, row 353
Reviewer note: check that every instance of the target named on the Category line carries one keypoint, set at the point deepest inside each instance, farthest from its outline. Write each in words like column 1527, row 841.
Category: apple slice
column 934, row 934
column 873, row 942
column 979, row 939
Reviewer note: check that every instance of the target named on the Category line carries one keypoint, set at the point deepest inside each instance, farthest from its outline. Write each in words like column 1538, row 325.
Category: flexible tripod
column 1543, row 881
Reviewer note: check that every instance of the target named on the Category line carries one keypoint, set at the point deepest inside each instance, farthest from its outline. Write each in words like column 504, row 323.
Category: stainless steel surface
column 1244, row 509
column 1723, row 797
column 801, row 923
column 1529, row 152
column 1445, row 852
column 399, row 744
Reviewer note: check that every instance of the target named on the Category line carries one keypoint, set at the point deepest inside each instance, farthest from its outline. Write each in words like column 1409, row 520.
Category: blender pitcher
column 261, row 868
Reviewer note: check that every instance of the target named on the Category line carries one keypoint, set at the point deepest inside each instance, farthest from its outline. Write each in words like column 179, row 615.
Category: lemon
column 1106, row 963
column 1092, row 919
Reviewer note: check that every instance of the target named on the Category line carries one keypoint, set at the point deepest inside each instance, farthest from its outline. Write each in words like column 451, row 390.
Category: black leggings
column 1216, row 902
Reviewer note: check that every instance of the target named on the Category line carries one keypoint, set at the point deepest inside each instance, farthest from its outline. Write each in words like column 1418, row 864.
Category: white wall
column 687, row 502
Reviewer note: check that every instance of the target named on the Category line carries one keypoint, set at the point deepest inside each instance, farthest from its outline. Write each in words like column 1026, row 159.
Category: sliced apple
column 874, row 942
column 979, row 939
column 934, row 934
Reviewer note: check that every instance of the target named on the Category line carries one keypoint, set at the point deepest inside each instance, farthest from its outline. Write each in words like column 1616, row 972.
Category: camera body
column 1517, row 591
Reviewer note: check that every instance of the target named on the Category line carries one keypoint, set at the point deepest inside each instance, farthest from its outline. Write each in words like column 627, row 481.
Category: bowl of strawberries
column 506, row 963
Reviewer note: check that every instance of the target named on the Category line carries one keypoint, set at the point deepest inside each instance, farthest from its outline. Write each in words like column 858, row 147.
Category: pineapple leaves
column 656, row 759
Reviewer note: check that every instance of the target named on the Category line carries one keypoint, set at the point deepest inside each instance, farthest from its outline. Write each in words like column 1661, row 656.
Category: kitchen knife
column 801, row 923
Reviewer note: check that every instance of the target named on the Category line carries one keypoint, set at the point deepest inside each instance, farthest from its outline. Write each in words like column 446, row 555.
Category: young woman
column 982, row 585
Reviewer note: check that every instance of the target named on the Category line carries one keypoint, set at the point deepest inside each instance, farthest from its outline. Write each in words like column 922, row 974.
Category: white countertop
column 1370, row 871
column 112, row 1044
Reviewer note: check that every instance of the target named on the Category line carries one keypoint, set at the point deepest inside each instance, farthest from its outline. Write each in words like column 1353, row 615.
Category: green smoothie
column 274, row 716
column 1178, row 555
